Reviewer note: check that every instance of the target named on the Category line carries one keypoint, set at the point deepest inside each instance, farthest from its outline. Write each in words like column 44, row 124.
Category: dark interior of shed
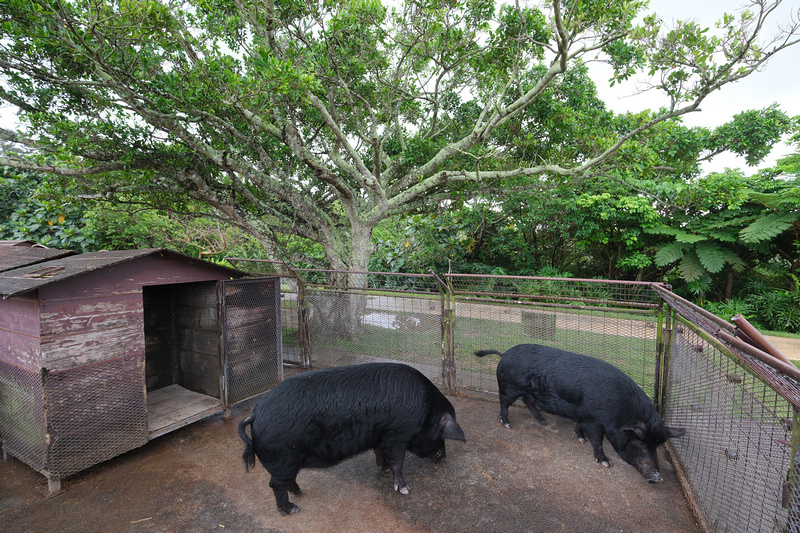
column 182, row 361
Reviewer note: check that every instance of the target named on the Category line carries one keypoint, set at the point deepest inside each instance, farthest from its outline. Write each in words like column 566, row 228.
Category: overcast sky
column 778, row 82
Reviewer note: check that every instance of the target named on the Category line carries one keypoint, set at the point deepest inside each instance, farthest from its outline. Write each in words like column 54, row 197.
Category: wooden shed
column 101, row 352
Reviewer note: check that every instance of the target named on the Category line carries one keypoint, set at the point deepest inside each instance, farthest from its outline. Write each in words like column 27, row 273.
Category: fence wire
column 738, row 436
column 740, row 414
column 22, row 422
column 252, row 330
column 350, row 323
column 739, row 421
column 94, row 413
column 613, row 321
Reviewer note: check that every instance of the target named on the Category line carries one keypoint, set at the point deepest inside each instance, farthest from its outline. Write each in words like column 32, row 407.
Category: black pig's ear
column 673, row 433
column 638, row 430
column 451, row 428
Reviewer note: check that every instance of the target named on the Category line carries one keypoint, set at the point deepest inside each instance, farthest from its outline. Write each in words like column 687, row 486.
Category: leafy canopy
column 318, row 120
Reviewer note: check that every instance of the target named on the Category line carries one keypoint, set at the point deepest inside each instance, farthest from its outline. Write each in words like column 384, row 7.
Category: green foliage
column 420, row 243
column 752, row 134
column 768, row 226
column 27, row 215
column 132, row 226
column 779, row 310
column 308, row 123
column 731, row 308
column 724, row 218
column 124, row 228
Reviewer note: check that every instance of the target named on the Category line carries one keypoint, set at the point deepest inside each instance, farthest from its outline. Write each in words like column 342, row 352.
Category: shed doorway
column 182, row 354
column 208, row 345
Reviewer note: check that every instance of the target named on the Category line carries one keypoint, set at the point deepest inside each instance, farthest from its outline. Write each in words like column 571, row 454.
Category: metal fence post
column 664, row 347
column 448, row 342
column 303, row 338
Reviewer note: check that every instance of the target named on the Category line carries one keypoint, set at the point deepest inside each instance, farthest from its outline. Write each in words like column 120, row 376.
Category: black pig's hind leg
column 506, row 399
column 531, row 405
column 281, row 488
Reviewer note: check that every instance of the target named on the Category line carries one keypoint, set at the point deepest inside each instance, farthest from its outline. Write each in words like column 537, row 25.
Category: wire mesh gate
column 250, row 337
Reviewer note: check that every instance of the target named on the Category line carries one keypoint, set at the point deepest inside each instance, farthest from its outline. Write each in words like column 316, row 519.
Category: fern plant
column 724, row 215
column 779, row 310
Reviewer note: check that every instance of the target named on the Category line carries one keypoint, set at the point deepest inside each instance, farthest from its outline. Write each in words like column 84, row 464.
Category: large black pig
column 317, row 419
column 601, row 398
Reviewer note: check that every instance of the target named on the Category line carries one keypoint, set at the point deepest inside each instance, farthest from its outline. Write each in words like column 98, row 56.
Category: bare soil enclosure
column 530, row 478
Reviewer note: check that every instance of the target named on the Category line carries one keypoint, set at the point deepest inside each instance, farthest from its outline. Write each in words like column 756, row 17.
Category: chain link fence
column 93, row 413
column 294, row 328
column 21, row 409
column 355, row 317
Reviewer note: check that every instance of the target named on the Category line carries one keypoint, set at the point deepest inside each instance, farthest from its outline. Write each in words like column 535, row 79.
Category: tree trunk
column 729, row 286
column 347, row 306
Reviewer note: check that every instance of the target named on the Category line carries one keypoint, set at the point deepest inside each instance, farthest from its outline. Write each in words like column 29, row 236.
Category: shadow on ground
column 531, row 478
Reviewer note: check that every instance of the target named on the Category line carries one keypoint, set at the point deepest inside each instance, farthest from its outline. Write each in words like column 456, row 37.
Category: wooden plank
column 199, row 318
column 22, row 351
column 21, row 315
column 62, row 353
column 131, row 276
column 80, row 315
column 205, row 342
column 173, row 407
column 19, row 332
column 200, row 295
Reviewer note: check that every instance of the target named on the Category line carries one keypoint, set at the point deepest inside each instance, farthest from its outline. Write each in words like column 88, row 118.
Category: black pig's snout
column 655, row 477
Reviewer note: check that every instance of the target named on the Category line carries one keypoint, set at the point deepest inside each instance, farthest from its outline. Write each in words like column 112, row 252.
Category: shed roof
column 17, row 254
column 29, row 278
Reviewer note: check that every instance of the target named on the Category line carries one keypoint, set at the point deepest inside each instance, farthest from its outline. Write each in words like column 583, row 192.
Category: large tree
column 320, row 119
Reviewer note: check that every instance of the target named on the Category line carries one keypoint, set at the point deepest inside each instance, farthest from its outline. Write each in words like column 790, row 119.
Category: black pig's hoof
column 289, row 509
column 654, row 478
column 402, row 490
column 606, row 463
column 581, row 440
column 506, row 425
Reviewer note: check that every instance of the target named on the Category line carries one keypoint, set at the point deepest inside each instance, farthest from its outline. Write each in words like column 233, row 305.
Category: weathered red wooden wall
column 19, row 332
column 98, row 316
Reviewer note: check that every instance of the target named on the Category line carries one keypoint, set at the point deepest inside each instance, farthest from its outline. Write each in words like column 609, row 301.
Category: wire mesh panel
column 293, row 324
column 736, row 450
column 22, row 424
column 251, row 326
column 351, row 322
column 613, row 321
column 94, row 412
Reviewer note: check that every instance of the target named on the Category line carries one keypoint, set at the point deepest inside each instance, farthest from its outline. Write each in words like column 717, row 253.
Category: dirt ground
column 531, row 478
column 789, row 347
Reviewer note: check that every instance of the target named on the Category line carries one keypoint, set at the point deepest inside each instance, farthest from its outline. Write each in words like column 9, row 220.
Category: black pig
column 601, row 398
column 317, row 419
